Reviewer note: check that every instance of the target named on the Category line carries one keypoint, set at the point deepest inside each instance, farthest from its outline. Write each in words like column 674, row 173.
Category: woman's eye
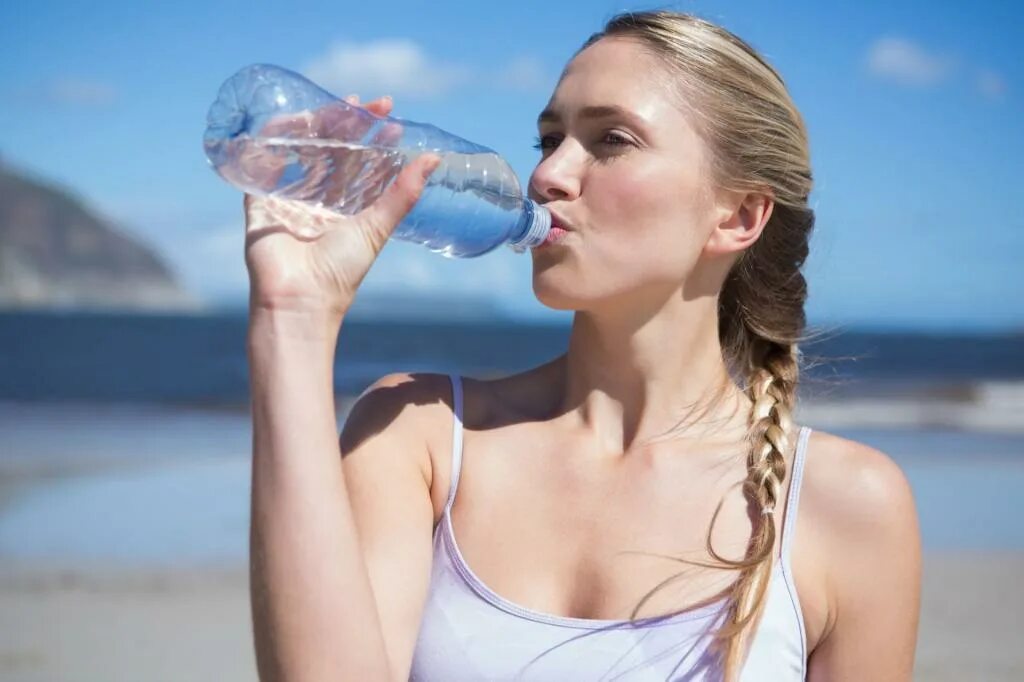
column 541, row 142
column 549, row 141
column 616, row 139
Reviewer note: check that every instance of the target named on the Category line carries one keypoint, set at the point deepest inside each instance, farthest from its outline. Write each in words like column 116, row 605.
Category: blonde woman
column 642, row 507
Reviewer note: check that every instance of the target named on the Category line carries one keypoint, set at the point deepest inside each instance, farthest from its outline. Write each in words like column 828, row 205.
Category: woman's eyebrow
column 594, row 111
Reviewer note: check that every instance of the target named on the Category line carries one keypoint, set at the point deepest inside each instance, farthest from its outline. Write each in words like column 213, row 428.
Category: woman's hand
column 304, row 258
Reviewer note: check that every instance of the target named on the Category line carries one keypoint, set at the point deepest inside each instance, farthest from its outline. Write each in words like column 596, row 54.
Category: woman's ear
column 740, row 223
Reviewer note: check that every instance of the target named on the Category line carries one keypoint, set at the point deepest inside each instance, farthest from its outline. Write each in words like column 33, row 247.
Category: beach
column 174, row 624
column 124, row 557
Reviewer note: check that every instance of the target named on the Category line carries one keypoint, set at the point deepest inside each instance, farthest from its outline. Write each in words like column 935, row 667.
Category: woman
column 629, row 509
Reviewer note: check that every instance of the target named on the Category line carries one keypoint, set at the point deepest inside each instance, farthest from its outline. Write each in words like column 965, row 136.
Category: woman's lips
column 556, row 235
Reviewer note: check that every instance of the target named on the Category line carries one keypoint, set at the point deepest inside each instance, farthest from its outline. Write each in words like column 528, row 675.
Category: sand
column 116, row 625
column 192, row 624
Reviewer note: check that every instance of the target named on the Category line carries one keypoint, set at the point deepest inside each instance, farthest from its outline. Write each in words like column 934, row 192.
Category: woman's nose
column 554, row 178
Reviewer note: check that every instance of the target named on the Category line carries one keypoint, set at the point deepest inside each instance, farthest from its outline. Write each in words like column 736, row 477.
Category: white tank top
column 470, row 633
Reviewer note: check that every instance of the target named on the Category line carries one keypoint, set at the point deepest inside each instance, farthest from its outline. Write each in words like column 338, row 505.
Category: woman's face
column 622, row 166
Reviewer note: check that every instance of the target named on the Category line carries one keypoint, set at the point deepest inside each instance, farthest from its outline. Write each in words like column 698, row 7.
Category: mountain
column 55, row 253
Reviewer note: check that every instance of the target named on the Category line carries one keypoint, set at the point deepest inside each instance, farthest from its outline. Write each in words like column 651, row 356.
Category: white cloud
column 990, row 84
column 396, row 67
column 403, row 68
column 907, row 63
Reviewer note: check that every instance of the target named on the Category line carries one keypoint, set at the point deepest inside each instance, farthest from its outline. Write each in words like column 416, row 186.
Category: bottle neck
column 533, row 226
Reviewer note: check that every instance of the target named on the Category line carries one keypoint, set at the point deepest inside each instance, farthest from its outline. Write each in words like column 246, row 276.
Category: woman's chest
column 550, row 530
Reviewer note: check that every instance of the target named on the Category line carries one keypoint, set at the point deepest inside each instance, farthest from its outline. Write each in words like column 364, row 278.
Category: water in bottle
column 274, row 132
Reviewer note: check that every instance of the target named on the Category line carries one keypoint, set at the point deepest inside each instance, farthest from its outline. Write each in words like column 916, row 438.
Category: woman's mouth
column 556, row 235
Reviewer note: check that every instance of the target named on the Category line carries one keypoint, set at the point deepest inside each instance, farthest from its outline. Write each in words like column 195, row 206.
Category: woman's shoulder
column 401, row 400
column 430, row 395
column 857, row 505
column 852, row 485
column 404, row 409
column 410, row 416
column 859, row 537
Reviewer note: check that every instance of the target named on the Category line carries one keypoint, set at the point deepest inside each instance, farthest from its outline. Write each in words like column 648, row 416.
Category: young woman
column 642, row 507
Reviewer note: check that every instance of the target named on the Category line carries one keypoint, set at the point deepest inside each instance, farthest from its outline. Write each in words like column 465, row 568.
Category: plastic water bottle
column 272, row 131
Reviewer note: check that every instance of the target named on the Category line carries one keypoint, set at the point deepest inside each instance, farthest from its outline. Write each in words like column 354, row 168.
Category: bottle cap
column 537, row 228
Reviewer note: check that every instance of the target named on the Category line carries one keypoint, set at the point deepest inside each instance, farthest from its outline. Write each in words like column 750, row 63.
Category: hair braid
column 772, row 390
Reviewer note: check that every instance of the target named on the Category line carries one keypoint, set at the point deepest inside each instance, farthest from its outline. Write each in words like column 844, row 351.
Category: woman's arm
column 315, row 614
column 874, row 569
column 388, row 469
column 340, row 552
column 313, row 611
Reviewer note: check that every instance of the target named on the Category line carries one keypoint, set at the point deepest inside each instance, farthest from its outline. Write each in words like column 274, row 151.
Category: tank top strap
column 456, row 439
column 793, row 498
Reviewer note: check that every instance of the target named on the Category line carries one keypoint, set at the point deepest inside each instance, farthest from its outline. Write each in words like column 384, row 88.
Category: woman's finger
column 381, row 106
column 381, row 217
column 389, row 134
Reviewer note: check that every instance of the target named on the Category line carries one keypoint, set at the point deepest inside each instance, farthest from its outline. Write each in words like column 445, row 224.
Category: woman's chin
column 556, row 298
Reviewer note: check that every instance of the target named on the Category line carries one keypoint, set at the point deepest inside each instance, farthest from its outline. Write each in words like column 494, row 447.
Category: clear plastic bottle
column 272, row 131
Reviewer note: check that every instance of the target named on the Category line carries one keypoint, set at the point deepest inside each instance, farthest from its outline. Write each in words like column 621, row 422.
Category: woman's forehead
column 614, row 66
column 621, row 76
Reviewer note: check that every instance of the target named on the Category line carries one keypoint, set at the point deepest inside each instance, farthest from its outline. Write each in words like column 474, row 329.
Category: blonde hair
column 757, row 142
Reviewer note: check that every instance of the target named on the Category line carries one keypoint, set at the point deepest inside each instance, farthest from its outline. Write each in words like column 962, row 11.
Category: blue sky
column 914, row 111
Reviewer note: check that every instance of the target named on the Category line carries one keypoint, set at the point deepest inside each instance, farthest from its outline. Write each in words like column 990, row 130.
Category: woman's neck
column 630, row 378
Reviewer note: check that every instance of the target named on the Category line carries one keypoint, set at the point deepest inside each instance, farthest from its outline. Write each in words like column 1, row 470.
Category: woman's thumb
column 383, row 215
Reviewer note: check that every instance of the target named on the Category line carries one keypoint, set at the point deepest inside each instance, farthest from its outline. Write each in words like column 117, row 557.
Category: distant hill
column 54, row 253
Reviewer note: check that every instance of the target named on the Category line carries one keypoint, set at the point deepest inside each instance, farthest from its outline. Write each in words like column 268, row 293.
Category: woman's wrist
column 317, row 326
column 291, row 365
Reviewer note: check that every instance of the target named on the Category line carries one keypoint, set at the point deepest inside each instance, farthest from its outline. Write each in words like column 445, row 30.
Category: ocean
column 124, row 438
